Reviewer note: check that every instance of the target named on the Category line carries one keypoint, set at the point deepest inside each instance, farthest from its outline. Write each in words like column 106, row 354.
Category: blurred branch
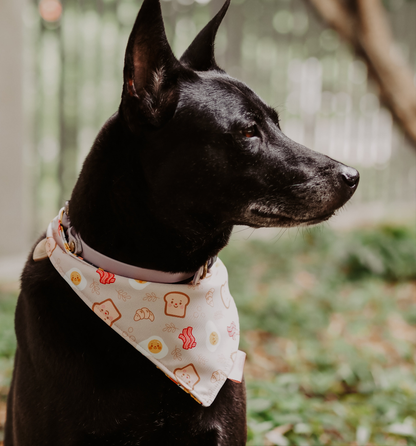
column 364, row 24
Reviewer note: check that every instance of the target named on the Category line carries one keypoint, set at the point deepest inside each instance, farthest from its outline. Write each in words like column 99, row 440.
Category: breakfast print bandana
column 190, row 332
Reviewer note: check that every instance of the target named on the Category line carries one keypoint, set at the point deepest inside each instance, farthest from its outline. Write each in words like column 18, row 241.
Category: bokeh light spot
column 50, row 10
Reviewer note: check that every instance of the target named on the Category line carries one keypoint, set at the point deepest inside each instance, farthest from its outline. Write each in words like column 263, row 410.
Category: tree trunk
column 364, row 24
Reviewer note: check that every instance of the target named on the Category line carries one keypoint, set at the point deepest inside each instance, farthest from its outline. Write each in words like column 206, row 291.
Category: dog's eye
column 249, row 132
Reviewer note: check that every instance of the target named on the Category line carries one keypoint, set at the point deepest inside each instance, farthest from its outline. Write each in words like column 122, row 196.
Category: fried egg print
column 213, row 337
column 154, row 347
column 75, row 278
column 138, row 284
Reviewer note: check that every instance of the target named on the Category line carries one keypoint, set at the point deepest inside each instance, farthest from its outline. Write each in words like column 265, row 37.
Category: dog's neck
column 101, row 211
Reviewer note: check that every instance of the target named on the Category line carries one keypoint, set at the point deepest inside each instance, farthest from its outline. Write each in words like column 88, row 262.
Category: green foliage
column 389, row 253
column 7, row 338
column 394, row 5
column 326, row 320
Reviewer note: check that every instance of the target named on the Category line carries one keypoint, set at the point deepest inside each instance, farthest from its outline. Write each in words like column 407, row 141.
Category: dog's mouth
column 259, row 216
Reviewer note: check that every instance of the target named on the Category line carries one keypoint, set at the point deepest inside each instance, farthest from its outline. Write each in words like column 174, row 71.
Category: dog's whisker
column 252, row 232
column 241, row 230
column 281, row 235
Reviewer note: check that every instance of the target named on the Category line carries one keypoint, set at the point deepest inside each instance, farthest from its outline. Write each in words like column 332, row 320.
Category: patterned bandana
column 190, row 332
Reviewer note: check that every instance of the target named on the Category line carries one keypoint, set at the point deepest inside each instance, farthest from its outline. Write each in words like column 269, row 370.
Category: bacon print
column 232, row 331
column 105, row 277
column 187, row 338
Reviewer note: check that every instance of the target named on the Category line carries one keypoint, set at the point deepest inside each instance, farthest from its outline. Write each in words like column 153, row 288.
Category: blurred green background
column 328, row 314
column 280, row 48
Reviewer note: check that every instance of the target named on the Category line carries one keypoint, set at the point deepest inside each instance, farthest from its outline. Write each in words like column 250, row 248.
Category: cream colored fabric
column 190, row 332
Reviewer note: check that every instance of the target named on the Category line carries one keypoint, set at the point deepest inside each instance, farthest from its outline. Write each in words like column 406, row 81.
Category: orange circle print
column 154, row 346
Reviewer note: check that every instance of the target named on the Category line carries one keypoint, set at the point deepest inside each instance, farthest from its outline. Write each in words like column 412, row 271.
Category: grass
column 8, row 299
column 7, row 337
column 329, row 326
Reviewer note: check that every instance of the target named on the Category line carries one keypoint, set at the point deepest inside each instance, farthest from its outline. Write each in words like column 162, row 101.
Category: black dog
column 190, row 153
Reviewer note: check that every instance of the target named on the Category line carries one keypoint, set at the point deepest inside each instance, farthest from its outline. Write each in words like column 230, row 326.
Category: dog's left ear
column 200, row 54
column 151, row 72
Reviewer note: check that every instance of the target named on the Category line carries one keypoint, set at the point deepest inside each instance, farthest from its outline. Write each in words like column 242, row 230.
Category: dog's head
column 213, row 144
column 191, row 153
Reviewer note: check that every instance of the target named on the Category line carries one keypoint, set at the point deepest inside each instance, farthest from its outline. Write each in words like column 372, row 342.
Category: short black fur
column 190, row 153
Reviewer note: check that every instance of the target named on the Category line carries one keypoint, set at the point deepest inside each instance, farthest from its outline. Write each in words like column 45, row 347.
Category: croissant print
column 187, row 338
column 105, row 277
column 144, row 313
column 209, row 297
column 219, row 375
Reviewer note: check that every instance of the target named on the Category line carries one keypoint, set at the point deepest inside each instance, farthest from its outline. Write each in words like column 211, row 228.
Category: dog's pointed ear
column 200, row 54
column 151, row 72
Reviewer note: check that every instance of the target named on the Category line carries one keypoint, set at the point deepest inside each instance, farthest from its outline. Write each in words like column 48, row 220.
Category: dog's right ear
column 151, row 72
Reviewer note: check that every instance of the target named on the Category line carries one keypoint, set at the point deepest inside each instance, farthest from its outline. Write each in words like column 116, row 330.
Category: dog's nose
column 350, row 176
